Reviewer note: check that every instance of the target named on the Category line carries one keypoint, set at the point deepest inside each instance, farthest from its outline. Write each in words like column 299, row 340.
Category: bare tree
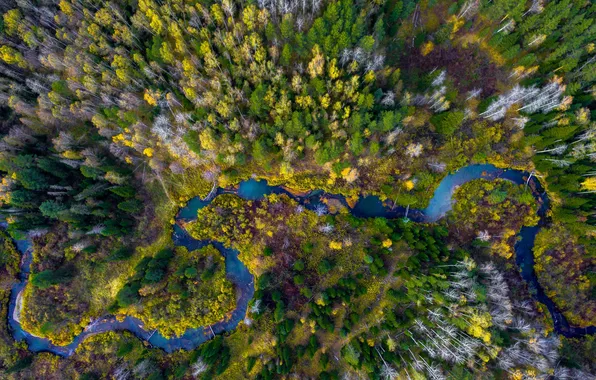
column 320, row 209
column 199, row 367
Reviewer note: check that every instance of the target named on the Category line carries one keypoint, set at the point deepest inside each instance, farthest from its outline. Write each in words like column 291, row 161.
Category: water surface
column 237, row 272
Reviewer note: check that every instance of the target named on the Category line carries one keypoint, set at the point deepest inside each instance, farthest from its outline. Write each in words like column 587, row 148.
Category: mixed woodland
column 114, row 114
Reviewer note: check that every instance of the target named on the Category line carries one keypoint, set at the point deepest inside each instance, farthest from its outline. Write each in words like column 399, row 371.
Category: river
column 366, row 207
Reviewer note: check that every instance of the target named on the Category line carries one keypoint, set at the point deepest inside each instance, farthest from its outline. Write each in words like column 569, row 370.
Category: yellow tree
column 589, row 185
column 317, row 64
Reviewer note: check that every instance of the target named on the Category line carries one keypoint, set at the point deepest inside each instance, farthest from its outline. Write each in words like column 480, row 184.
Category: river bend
column 243, row 280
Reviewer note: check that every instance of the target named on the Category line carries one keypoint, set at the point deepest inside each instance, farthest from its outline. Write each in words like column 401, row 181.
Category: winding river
column 243, row 280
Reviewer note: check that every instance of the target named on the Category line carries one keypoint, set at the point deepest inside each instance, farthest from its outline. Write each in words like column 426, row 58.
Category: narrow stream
column 366, row 207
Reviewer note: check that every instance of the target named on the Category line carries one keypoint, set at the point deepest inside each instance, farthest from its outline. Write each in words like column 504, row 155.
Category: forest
column 118, row 117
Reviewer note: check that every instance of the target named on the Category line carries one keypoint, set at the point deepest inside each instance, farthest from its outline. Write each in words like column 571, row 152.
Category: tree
column 190, row 272
column 33, row 179
column 447, row 123
column 316, row 65
column 128, row 295
column 367, row 43
column 589, row 184
column 48, row 278
column 131, row 206
column 298, row 265
column 52, row 209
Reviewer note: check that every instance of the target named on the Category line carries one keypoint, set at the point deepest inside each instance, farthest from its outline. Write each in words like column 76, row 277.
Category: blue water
column 442, row 200
column 254, row 189
column 369, row 206
column 243, row 280
column 189, row 212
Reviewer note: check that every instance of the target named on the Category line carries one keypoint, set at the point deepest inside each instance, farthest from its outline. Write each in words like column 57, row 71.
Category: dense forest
column 115, row 114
